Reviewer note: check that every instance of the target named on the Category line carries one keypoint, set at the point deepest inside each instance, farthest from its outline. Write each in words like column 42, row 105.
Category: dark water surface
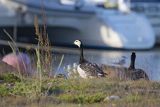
column 146, row 60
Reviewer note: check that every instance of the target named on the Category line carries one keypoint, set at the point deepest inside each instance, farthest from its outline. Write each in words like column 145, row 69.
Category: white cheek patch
column 79, row 45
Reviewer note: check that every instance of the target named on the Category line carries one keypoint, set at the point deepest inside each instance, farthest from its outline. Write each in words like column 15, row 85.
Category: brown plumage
column 130, row 73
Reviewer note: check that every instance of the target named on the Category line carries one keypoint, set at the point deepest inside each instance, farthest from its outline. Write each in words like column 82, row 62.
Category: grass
column 18, row 85
column 42, row 90
column 80, row 92
column 44, row 57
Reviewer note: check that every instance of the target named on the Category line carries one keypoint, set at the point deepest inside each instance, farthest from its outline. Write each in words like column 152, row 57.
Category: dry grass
column 44, row 57
column 74, row 92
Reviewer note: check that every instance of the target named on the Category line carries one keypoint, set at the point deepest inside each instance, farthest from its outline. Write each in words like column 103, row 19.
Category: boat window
column 68, row 2
column 146, row 1
column 77, row 3
column 111, row 4
column 117, row 4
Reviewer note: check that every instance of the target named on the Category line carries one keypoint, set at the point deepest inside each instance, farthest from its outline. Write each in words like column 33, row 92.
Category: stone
column 20, row 61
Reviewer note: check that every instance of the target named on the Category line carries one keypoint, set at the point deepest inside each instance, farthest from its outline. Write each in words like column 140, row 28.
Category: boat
column 68, row 20
column 150, row 8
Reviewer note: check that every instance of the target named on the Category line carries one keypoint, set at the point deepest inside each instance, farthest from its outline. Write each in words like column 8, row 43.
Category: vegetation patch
column 75, row 91
column 9, row 77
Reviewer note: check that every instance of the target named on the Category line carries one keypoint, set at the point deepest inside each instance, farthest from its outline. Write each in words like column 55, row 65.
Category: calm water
column 147, row 60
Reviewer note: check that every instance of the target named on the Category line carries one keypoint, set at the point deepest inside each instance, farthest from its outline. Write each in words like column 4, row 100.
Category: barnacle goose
column 85, row 68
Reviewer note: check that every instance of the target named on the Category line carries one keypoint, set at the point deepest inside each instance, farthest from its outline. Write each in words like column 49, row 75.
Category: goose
column 136, row 73
column 126, row 73
column 85, row 68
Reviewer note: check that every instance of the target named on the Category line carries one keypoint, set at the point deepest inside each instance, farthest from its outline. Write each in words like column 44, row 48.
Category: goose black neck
column 132, row 64
column 81, row 54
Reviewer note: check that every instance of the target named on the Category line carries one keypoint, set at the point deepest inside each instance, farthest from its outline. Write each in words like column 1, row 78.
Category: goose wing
column 91, row 69
column 99, row 70
column 139, row 74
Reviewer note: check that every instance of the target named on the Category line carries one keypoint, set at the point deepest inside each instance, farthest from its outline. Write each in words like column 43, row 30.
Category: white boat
column 150, row 8
column 68, row 20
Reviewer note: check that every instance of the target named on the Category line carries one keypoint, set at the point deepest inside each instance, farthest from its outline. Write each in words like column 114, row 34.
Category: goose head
column 78, row 43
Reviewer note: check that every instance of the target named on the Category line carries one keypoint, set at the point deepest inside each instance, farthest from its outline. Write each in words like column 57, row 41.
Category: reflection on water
column 147, row 60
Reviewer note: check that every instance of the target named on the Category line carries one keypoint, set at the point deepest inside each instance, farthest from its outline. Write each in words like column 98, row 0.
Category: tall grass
column 43, row 62
column 44, row 57
column 14, row 49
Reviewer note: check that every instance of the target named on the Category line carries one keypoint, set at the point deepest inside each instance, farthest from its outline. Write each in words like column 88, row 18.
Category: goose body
column 139, row 74
column 89, row 70
column 85, row 68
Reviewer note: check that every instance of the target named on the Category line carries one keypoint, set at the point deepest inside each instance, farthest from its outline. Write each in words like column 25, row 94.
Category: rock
column 20, row 61
column 1, row 81
column 5, row 68
column 110, row 98
column 60, row 76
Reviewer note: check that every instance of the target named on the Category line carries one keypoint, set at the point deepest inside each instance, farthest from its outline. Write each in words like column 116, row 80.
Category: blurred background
column 108, row 29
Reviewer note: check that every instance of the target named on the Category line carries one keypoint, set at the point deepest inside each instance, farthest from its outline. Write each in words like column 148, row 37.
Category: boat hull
column 96, row 27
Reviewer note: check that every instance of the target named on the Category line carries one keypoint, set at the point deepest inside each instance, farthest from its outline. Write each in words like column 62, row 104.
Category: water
column 146, row 60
